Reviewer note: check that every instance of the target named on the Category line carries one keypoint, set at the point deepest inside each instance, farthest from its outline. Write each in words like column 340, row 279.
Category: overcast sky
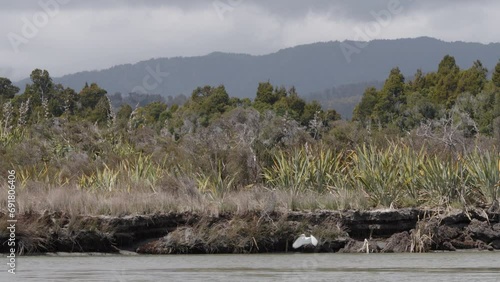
column 66, row 36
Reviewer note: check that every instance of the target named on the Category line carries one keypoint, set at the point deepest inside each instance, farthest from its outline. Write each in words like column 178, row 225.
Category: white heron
column 366, row 246
column 303, row 240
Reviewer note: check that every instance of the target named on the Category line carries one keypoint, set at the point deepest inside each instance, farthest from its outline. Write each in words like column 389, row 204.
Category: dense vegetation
column 450, row 92
column 426, row 142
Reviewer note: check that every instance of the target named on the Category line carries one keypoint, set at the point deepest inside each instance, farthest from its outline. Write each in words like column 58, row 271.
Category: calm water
column 458, row 266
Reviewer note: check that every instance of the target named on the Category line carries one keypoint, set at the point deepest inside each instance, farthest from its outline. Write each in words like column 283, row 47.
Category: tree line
column 448, row 93
column 44, row 99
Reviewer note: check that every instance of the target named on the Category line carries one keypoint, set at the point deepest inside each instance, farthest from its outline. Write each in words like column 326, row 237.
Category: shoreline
column 388, row 231
column 134, row 254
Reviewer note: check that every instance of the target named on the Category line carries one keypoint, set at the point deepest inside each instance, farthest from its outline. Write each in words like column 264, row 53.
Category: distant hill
column 343, row 98
column 312, row 69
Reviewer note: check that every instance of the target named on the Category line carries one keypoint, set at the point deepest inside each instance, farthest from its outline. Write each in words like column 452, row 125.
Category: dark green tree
column 151, row 113
column 124, row 112
column 418, row 83
column 496, row 75
column 39, row 93
column 474, row 79
column 7, row 90
column 289, row 103
column 266, row 94
column 330, row 115
column 208, row 102
column 310, row 110
column 90, row 96
column 391, row 98
column 93, row 103
column 217, row 101
column 295, row 103
column 101, row 112
column 364, row 110
column 448, row 76
column 42, row 86
column 63, row 100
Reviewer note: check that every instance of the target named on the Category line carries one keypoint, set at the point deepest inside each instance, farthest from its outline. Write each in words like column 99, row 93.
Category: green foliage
column 448, row 76
column 419, row 82
column 266, row 94
column 39, row 93
column 288, row 103
column 429, row 96
column 43, row 99
column 152, row 114
column 496, row 75
column 381, row 173
column 364, row 110
column 124, row 112
column 207, row 103
column 474, row 79
column 90, row 96
column 214, row 146
column 42, row 83
column 65, row 101
column 386, row 105
column 310, row 110
column 94, row 106
column 303, row 169
column 442, row 181
column 7, row 90
column 216, row 184
column 419, row 108
column 484, row 170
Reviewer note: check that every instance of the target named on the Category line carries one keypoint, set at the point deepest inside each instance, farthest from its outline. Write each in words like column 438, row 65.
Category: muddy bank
column 403, row 230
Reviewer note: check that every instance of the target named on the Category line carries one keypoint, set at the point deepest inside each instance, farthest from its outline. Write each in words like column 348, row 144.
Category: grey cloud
column 96, row 34
column 353, row 9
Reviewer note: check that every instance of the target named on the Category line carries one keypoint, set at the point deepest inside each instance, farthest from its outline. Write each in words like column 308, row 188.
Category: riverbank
column 401, row 230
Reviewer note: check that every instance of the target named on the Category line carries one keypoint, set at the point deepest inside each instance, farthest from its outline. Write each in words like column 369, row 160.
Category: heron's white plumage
column 366, row 246
column 303, row 240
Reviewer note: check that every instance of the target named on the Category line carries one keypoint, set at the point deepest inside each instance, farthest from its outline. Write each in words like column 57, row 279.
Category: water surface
column 453, row 266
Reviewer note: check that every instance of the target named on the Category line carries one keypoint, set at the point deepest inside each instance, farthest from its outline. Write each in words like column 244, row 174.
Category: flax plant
column 140, row 172
column 303, row 170
column 289, row 171
column 411, row 163
column 34, row 173
column 443, row 181
column 380, row 173
column 484, row 174
column 218, row 185
column 104, row 180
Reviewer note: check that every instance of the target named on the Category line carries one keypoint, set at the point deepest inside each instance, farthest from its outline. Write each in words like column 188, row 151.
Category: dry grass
column 72, row 200
column 421, row 236
column 31, row 236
